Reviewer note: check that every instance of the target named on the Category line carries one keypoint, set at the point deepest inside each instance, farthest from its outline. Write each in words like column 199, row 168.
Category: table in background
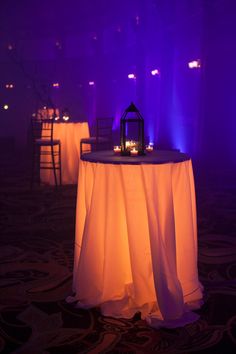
column 136, row 237
column 69, row 134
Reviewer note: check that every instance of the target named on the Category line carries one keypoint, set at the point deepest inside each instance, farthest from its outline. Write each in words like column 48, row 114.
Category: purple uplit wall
column 90, row 47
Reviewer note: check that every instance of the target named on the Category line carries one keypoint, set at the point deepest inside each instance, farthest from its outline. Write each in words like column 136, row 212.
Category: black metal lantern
column 132, row 132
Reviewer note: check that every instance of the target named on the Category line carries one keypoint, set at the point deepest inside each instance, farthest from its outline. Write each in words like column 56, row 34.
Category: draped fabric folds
column 136, row 242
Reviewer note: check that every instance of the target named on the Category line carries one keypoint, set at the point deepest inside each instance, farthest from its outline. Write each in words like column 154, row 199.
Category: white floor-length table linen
column 69, row 134
column 136, row 238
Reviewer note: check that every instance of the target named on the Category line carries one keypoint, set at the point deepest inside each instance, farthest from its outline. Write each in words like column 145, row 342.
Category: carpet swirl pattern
column 36, row 258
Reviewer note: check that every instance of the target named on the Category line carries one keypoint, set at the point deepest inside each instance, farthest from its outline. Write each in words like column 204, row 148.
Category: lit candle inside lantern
column 130, row 144
column 133, row 152
column 127, row 144
column 149, row 148
column 117, row 149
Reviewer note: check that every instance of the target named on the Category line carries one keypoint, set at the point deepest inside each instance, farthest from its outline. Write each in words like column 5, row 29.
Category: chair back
column 42, row 127
column 104, row 128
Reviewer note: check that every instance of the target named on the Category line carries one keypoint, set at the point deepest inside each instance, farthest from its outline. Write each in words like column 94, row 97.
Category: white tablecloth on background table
column 136, row 242
column 69, row 134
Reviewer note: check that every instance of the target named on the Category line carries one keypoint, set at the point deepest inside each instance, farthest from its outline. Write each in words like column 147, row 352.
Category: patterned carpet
column 36, row 256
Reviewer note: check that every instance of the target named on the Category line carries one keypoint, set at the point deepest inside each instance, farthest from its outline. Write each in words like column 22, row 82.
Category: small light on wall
column 91, row 83
column 131, row 76
column 10, row 47
column 55, row 84
column 5, row 107
column 58, row 45
column 9, row 86
column 155, row 72
column 137, row 19
column 194, row 64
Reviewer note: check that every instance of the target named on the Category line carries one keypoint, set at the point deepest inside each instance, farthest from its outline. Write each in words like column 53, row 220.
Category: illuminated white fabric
column 69, row 134
column 136, row 242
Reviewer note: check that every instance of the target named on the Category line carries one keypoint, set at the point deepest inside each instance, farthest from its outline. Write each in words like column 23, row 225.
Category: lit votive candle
column 133, row 152
column 149, row 148
column 117, row 150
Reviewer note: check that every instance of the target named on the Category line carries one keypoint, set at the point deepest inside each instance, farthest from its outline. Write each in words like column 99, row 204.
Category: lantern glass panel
column 132, row 134
column 132, row 131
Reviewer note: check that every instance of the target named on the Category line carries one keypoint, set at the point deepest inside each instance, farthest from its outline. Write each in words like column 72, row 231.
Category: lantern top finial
column 132, row 108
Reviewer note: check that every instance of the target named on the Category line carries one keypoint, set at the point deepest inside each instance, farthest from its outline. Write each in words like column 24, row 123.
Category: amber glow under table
column 69, row 134
column 136, row 237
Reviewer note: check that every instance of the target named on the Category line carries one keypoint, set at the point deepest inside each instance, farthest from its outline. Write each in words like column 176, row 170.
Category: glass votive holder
column 134, row 152
column 117, row 150
column 149, row 148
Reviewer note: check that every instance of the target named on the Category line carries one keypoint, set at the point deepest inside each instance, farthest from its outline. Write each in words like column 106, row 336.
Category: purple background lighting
column 75, row 42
